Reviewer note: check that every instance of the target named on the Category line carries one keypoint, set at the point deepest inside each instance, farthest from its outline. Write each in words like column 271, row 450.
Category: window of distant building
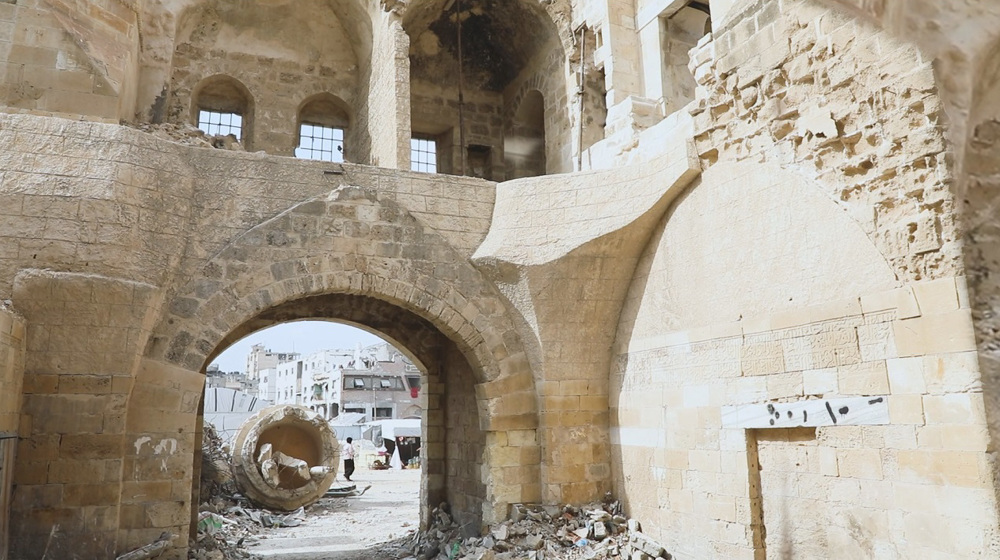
column 359, row 383
column 386, row 383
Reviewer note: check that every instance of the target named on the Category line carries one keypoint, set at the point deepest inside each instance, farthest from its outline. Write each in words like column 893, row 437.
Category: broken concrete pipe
column 285, row 457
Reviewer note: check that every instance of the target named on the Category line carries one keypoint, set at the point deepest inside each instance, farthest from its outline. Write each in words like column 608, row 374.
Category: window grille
column 214, row 123
column 423, row 155
column 323, row 143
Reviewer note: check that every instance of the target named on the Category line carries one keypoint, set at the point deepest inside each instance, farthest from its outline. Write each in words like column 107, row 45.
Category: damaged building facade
column 736, row 262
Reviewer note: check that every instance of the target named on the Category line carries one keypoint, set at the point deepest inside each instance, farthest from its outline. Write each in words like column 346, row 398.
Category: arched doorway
column 352, row 257
column 524, row 141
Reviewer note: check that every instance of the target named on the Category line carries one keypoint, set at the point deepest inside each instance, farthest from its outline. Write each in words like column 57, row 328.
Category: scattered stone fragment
column 500, row 532
column 641, row 542
column 597, row 531
column 151, row 550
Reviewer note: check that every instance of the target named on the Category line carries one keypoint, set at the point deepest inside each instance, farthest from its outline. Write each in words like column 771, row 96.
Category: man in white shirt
column 347, row 451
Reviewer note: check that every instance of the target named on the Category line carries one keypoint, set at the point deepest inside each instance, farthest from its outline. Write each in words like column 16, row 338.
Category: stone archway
column 449, row 420
column 354, row 257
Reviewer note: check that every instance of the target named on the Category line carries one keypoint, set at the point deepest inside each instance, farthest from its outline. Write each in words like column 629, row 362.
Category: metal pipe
column 579, row 93
column 461, row 98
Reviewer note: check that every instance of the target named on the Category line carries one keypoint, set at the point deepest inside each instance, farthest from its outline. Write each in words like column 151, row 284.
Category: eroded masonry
column 736, row 262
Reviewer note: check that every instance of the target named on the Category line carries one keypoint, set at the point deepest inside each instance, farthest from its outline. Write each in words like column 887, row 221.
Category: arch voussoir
column 369, row 249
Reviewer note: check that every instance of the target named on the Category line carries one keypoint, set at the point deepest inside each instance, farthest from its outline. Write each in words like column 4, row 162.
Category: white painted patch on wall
column 846, row 411
column 140, row 442
column 639, row 437
column 164, row 444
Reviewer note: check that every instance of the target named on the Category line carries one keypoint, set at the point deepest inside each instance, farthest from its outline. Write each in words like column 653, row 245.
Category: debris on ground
column 216, row 473
column 151, row 550
column 228, row 520
column 190, row 136
column 268, row 457
column 345, row 491
column 224, row 526
column 595, row 531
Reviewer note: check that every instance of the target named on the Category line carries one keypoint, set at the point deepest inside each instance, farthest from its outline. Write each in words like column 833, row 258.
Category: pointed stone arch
column 353, row 249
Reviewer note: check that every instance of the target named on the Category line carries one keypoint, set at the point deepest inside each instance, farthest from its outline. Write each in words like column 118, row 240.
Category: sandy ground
column 351, row 528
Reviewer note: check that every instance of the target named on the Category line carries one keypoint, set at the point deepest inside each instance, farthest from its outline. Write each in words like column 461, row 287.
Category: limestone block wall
column 847, row 284
column 11, row 369
column 465, row 445
column 388, row 93
column 158, row 467
column 84, row 336
column 549, row 75
column 692, row 348
column 95, row 215
column 434, row 113
column 12, row 380
column 74, row 192
column 978, row 188
column 69, row 57
column 564, row 285
column 280, row 73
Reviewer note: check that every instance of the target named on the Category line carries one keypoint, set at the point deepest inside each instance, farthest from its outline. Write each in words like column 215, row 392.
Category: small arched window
column 323, row 122
column 222, row 106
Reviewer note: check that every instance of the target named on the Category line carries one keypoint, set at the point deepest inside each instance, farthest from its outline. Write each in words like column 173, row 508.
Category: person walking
column 347, row 451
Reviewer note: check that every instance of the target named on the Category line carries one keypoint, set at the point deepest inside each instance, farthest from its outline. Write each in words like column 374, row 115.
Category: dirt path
column 351, row 528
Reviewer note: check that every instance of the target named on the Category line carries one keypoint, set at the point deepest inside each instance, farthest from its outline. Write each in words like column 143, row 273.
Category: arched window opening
column 223, row 106
column 468, row 61
column 524, row 143
column 323, row 122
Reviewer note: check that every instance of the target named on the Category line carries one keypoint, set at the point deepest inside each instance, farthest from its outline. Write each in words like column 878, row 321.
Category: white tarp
column 392, row 429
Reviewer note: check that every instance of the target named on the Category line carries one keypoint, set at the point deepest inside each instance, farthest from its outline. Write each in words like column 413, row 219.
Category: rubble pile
column 190, row 136
column 223, row 523
column 596, row 531
column 216, row 474
column 223, row 531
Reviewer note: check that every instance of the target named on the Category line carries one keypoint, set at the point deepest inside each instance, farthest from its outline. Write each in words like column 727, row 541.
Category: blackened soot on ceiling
column 499, row 38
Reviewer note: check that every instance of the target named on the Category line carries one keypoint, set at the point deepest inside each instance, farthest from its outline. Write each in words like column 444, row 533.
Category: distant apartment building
column 261, row 358
column 377, row 381
column 237, row 380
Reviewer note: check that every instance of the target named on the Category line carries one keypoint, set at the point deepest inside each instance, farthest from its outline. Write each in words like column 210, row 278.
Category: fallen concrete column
column 285, row 457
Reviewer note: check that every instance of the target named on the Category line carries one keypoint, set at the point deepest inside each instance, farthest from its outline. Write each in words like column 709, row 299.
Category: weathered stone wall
column 806, row 122
column 565, row 284
column 11, row 369
column 704, row 343
column 465, row 446
column 978, row 189
column 115, row 466
column 252, row 46
column 617, row 330
column 12, row 380
column 387, row 102
column 84, row 336
column 69, row 57
column 161, row 439
column 551, row 76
